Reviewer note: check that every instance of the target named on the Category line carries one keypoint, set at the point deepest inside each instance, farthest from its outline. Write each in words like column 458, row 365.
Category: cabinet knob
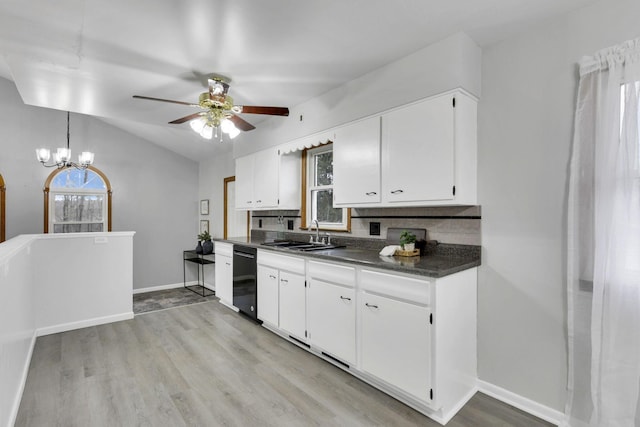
column 345, row 298
column 397, row 191
column 370, row 305
column 371, row 193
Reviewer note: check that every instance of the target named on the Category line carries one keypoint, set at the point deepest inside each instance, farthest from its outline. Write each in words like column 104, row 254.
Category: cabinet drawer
column 281, row 262
column 404, row 288
column 333, row 273
column 225, row 249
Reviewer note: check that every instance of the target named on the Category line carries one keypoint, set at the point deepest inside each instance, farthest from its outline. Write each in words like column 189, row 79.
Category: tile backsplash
column 451, row 224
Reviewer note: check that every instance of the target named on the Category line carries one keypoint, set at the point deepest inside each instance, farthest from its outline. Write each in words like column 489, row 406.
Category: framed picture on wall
column 204, row 226
column 204, row 207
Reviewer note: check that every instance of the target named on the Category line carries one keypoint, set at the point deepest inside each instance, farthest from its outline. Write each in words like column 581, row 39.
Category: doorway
column 236, row 222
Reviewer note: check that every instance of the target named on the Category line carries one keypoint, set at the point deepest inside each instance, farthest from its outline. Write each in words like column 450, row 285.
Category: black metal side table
column 201, row 260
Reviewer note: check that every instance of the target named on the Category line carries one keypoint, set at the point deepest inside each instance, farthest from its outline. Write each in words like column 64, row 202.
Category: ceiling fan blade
column 185, row 119
column 272, row 111
column 166, row 100
column 241, row 123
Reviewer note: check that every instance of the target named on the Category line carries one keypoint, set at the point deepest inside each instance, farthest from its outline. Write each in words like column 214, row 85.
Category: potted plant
column 207, row 246
column 407, row 240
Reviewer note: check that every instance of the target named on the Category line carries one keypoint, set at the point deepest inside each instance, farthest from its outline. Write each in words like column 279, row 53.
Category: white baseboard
column 48, row 330
column 23, row 381
column 170, row 286
column 534, row 408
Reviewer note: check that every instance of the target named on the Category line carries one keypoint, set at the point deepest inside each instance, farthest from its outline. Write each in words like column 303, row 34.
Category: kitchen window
column 77, row 201
column 317, row 200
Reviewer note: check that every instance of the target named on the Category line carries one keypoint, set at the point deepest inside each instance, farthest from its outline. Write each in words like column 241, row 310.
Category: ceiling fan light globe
column 206, row 132
column 234, row 132
column 43, row 154
column 197, row 125
column 227, row 126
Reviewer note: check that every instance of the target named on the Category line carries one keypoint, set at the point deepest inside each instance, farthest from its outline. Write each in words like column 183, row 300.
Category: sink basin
column 301, row 246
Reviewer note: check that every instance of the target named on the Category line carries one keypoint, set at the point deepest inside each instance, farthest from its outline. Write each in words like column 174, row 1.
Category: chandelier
column 62, row 156
column 217, row 119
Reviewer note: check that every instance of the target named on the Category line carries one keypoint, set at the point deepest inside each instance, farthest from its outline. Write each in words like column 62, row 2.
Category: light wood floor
column 204, row 365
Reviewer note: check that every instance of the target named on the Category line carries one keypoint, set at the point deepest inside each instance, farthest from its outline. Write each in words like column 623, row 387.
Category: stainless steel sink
column 301, row 246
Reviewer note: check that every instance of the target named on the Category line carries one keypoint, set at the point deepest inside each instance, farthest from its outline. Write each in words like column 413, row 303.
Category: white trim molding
column 539, row 410
column 170, row 286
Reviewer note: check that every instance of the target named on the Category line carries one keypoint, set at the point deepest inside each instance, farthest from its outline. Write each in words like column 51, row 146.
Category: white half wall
column 53, row 283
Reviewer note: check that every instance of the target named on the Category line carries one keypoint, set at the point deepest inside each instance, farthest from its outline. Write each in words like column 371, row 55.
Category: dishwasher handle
column 242, row 254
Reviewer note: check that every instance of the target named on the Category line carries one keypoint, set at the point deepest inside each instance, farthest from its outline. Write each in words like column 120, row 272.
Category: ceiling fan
column 219, row 112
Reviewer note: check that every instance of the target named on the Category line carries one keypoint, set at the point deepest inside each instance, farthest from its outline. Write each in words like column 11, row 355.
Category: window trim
column 304, row 185
column 47, row 190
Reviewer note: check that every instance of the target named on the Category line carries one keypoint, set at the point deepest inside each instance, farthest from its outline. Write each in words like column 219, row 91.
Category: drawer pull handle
column 345, row 298
column 371, row 193
column 397, row 191
column 258, row 201
column 227, row 263
column 272, row 276
column 284, row 281
column 370, row 305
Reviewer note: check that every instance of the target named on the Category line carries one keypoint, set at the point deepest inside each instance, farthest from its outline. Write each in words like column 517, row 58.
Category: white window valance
column 307, row 142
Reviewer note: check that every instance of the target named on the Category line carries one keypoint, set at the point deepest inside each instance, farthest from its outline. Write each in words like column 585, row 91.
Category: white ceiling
column 91, row 56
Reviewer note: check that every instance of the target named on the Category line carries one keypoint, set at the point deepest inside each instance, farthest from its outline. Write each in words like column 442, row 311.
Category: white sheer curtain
column 603, row 274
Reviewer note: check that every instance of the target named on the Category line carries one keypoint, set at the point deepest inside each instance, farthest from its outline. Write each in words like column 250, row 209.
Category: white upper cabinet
column 417, row 152
column 422, row 154
column 268, row 180
column 356, row 163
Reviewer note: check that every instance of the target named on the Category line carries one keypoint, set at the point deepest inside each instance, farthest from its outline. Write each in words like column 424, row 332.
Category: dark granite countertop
column 442, row 262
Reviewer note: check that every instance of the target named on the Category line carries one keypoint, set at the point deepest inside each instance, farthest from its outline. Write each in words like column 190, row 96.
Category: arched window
column 77, row 200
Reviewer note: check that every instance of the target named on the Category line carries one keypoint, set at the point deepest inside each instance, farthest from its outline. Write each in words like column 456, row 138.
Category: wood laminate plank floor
column 205, row 365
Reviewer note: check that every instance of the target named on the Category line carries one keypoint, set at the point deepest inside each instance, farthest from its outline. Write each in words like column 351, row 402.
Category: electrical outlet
column 374, row 228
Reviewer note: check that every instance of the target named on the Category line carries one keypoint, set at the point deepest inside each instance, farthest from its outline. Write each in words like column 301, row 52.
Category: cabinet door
column 418, row 152
column 356, row 163
column 293, row 310
column 244, row 182
column 331, row 317
column 224, row 278
column 268, row 290
column 396, row 343
column 266, row 170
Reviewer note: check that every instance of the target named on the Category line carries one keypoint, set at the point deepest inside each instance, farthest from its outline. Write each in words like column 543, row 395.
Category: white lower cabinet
column 293, row 311
column 224, row 272
column 268, row 294
column 411, row 336
column 331, row 310
column 396, row 343
column 281, row 292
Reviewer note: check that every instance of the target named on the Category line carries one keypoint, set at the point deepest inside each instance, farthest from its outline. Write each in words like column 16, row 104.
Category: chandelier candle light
column 62, row 156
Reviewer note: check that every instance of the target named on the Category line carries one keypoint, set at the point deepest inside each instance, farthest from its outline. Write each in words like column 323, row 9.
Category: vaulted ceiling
column 91, row 56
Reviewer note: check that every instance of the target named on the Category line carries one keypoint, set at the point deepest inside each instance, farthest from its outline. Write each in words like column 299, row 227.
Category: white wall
column 155, row 191
column 211, row 178
column 447, row 64
column 525, row 131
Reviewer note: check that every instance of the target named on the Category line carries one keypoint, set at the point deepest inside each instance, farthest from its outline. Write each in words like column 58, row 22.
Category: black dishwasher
column 245, row 283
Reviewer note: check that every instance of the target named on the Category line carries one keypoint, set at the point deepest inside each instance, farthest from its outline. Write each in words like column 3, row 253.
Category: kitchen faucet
column 317, row 231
